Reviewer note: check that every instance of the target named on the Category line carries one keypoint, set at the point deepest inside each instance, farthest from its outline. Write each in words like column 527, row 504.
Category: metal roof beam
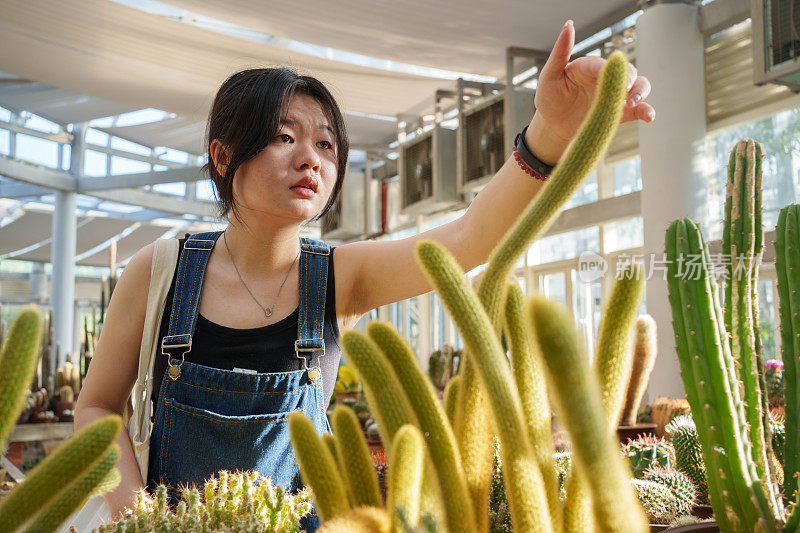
column 158, row 202
column 37, row 175
column 124, row 181
column 721, row 14
column 13, row 190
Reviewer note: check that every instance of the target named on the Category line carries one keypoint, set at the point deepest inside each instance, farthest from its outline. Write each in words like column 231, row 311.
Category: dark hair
column 246, row 116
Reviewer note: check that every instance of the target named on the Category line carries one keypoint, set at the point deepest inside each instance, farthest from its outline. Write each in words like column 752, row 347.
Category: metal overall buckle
column 313, row 373
column 174, row 371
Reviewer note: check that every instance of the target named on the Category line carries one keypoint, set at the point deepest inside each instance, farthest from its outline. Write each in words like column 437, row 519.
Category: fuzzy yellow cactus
column 355, row 463
column 406, row 460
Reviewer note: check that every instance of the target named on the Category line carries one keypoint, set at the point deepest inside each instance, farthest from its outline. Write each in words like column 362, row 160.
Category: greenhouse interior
column 575, row 309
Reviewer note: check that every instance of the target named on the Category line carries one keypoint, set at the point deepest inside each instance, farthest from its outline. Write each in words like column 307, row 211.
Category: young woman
column 250, row 327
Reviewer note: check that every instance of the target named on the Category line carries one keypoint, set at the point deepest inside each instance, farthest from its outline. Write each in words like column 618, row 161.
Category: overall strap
column 313, row 285
column 188, row 287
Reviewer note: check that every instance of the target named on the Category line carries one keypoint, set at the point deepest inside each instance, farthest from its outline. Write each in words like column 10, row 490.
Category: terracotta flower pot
column 631, row 432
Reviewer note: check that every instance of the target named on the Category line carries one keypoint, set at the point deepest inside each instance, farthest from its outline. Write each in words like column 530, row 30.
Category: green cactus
column 355, row 463
column 18, row 358
column 317, row 467
column 229, row 502
column 576, row 394
column 406, row 460
column 58, row 472
column 688, row 453
column 532, row 388
column 527, row 498
column 709, row 377
column 742, row 244
column 646, row 452
column 659, row 502
column 787, row 266
column 443, row 448
column 644, row 357
column 75, row 495
column 778, row 432
column 680, row 485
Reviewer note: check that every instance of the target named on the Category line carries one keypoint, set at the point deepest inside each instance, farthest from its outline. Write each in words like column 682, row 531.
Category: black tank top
column 265, row 349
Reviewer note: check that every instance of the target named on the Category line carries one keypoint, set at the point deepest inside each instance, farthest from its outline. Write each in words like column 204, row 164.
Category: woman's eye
column 325, row 144
column 284, row 138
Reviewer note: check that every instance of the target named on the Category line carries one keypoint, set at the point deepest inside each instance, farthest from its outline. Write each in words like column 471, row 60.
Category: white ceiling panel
column 458, row 35
column 27, row 230
column 91, row 232
column 127, row 246
column 58, row 105
column 115, row 52
column 179, row 133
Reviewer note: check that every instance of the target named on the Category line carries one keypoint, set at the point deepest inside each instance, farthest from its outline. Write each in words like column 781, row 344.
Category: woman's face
column 293, row 176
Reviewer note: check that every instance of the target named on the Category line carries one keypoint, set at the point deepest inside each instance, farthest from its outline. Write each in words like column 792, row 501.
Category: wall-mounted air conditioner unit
column 347, row 218
column 776, row 42
column 484, row 139
column 428, row 172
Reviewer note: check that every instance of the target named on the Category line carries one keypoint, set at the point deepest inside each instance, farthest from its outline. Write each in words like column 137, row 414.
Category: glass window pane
column 66, row 156
column 767, row 319
column 5, row 142
column 36, row 150
column 94, row 163
column 175, row 189
column 564, row 246
column 35, row 122
column 205, row 190
column 628, row 176
column 173, row 155
column 554, row 286
column 586, row 194
column 99, row 138
column 624, row 234
column 128, row 146
column 122, row 165
column 5, row 114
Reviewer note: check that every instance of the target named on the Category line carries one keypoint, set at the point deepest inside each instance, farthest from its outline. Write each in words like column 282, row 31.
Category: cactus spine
column 443, row 448
column 787, row 266
column 644, row 357
column 527, row 498
column 355, row 464
column 317, row 467
column 406, row 460
column 709, row 377
column 577, row 398
column 18, row 359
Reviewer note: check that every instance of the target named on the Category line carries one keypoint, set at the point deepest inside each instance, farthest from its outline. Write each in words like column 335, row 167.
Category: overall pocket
column 197, row 443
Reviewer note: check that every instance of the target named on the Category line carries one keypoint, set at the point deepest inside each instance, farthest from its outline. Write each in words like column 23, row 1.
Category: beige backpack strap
column 162, row 270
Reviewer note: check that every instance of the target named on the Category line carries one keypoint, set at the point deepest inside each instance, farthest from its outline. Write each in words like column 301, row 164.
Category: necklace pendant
column 268, row 311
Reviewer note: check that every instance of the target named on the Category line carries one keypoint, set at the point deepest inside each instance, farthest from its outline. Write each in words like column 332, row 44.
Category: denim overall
column 208, row 419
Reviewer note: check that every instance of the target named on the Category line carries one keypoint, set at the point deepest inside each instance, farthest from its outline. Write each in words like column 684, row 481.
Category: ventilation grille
column 782, row 31
column 418, row 171
column 485, row 152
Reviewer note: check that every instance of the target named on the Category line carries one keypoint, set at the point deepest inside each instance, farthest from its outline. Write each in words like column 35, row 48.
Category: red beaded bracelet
column 524, row 166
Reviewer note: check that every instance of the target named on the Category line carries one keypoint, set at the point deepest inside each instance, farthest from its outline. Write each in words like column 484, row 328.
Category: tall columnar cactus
column 450, row 398
column 355, row 463
column 739, row 497
column 577, row 396
column 18, row 359
column 432, row 422
column 406, row 460
column 644, row 357
column 742, row 247
column 689, row 454
column 787, row 266
column 318, row 467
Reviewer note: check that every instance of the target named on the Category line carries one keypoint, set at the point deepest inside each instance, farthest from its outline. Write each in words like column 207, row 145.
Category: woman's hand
column 565, row 93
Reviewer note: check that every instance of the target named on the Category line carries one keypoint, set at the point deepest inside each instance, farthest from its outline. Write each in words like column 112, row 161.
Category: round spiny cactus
column 647, row 451
column 689, row 454
column 680, row 485
column 659, row 501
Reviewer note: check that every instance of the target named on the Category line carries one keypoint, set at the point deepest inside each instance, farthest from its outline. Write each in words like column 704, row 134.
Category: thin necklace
column 267, row 310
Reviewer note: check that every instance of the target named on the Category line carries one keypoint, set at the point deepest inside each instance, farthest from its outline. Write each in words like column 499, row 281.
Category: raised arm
column 375, row 273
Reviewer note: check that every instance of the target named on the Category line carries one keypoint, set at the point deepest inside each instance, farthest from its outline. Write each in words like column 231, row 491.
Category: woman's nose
column 308, row 157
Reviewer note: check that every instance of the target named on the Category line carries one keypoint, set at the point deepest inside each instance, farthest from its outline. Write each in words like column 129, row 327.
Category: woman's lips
column 303, row 192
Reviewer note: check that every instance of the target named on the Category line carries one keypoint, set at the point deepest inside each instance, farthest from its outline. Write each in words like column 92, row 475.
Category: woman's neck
column 258, row 249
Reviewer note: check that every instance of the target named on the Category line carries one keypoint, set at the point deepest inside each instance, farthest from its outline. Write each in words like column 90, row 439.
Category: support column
column 62, row 256
column 669, row 52
column 38, row 284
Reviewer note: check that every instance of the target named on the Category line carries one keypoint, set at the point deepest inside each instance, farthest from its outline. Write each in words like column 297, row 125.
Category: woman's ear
column 219, row 156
